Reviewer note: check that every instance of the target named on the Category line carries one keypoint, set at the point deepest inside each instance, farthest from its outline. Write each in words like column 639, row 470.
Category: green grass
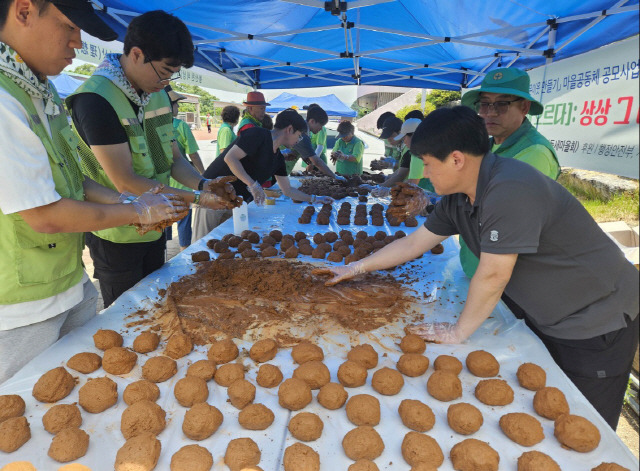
column 620, row 207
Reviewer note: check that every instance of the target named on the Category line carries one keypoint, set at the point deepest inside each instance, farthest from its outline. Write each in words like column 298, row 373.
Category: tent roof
column 66, row 85
column 445, row 44
column 330, row 103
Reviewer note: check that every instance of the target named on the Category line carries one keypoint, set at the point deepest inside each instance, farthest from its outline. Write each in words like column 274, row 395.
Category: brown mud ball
column 85, row 362
column 418, row 448
column 11, row 405
column 437, row 249
column 318, row 253
column 159, row 369
column 200, row 256
column 464, row 418
column 253, row 237
column 363, row 443
column 330, row 237
column 352, row 374
column 387, row 381
column 60, row 417
column 269, row 252
column 98, row 394
column 249, row 253
column 363, row 409
column 205, row 369
column 522, row 428
column 576, row 433
column 269, row 240
column 228, row 374
column 363, row 465
column 365, row 355
column 105, row 339
column 191, row 458
column 221, row 247
column 69, row 445
column 27, row 466
column 139, row 391
column 286, row 244
column 201, row 421
column 306, row 426
column 482, row 364
column 269, row 376
column 54, row 385
column 412, row 343
column 212, row 242
column 190, row 390
column 223, row 351
column 241, row 453
column 531, row 376
column 241, row 393
column 306, row 351
column 299, row 457
column 142, row 416
column 473, row 455
column 139, row 453
column 448, row 363
column 305, row 249
column 245, row 245
column 291, row 252
column 444, row 386
column 226, row 256
column 146, row 342
column 263, row 350
column 119, row 361
column 335, row 257
column 610, row 467
column 14, row 432
column 234, row 241
column 413, row 364
column 256, row 417
column 319, row 238
column 416, row 415
column 276, row 234
column 537, row 461
column 550, row 403
column 494, row 392
column 294, row 394
column 332, row 396
column 314, row 373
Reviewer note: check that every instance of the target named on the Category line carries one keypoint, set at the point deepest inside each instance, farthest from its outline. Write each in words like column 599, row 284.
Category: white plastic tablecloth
column 444, row 290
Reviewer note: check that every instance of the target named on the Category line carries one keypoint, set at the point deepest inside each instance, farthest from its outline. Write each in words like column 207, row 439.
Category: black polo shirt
column 570, row 278
column 261, row 163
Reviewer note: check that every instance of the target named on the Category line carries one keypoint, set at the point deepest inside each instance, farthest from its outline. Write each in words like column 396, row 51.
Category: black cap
column 83, row 15
column 391, row 125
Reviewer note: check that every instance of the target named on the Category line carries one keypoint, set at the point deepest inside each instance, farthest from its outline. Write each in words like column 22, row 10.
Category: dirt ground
column 628, row 429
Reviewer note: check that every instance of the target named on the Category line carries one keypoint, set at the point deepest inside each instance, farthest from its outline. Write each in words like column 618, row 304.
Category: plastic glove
column 257, row 192
column 340, row 273
column 438, row 332
column 154, row 207
column 340, row 178
column 126, row 196
column 324, row 200
column 366, row 186
column 381, row 192
column 221, row 186
column 212, row 201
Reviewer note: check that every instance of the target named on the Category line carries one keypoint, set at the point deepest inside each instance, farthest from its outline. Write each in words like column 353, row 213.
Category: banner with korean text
column 591, row 108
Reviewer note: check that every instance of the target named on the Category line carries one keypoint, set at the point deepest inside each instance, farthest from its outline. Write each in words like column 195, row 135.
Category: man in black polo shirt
column 537, row 244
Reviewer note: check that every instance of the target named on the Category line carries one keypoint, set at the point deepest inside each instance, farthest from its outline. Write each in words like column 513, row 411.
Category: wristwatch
column 129, row 199
column 196, row 197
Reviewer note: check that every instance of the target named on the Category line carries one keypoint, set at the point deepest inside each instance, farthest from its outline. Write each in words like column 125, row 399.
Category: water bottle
column 240, row 219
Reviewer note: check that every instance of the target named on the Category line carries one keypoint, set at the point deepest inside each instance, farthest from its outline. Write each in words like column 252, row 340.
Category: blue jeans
column 184, row 230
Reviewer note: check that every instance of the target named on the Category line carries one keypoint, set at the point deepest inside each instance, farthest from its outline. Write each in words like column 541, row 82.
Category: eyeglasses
column 173, row 77
column 499, row 107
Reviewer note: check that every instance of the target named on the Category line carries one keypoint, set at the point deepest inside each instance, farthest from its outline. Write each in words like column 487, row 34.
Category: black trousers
column 120, row 266
column 598, row 366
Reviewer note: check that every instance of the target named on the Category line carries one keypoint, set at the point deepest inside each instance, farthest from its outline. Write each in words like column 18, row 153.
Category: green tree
column 402, row 112
column 439, row 98
column 84, row 69
column 206, row 99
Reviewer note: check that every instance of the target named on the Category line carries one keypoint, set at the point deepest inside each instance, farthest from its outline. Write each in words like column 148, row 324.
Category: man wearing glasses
column 123, row 118
column 503, row 101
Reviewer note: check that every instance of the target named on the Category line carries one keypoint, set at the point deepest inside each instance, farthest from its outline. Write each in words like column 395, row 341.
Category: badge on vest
column 493, row 236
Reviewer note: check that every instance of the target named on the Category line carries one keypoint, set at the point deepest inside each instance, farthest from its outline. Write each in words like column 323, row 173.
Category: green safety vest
column 149, row 142
column 248, row 119
column 36, row 265
column 525, row 136
column 345, row 167
column 317, row 139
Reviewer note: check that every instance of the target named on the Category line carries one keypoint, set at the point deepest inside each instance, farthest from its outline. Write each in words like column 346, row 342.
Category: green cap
column 506, row 81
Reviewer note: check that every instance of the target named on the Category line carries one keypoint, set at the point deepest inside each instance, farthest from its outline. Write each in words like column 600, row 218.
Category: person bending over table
column 537, row 244
column 255, row 157
column 348, row 152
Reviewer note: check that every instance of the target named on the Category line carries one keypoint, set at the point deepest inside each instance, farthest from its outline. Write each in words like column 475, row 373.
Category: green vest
column 149, row 142
column 344, row 167
column 525, row 136
column 248, row 119
column 319, row 139
column 36, row 265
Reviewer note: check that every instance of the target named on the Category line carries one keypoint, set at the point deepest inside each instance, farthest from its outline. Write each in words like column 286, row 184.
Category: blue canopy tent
column 443, row 44
column 330, row 103
column 66, row 85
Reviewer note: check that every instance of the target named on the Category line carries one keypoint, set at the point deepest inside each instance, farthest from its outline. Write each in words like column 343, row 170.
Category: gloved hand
column 257, row 192
column 340, row 273
column 154, row 207
column 366, row 186
column 126, row 196
column 212, row 201
column 381, row 192
column 438, row 332
column 324, row 200
column 340, row 178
